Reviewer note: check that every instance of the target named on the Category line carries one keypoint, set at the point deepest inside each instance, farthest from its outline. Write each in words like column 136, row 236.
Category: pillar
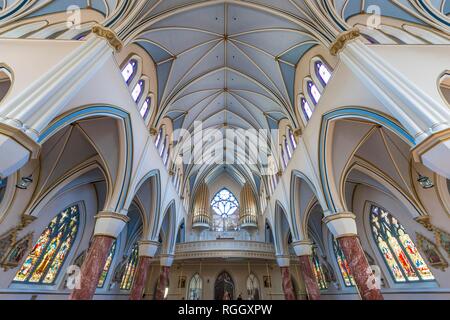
column 303, row 249
column 343, row 227
column 288, row 288
column 108, row 226
column 147, row 250
column 163, row 283
column 24, row 116
column 418, row 107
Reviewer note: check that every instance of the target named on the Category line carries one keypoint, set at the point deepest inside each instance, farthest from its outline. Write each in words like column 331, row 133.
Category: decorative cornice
column 109, row 35
column 342, row 215
column 112, row 215
column 429, row 143
column 425, row 221
column 21, row 138
column 343, row 39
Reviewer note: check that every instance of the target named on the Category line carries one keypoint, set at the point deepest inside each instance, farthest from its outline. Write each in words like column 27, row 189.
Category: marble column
column 303, row 250
column 107, row 227
column 147, row 250
column 359, row 267
column 343, row 227
column 92, row 268
column 288, row 288
column 163, row 282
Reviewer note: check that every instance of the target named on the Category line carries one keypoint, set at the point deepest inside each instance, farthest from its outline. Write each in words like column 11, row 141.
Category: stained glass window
column 129, row 71
column 130, row 269
column 306, row 109
column 398, row 250
column 253, row 287
column 322, row 72
column 44, row 262
column 145, row 108
column 195, row 288
column 137, row 91
column 318, row 271
column 224, row 204
column 101, row 281
column 161, row 152
column 291, row 136
column 314, row 92
column 158, row 138
column 288, row 148
column 2, row 188
column 343, row 265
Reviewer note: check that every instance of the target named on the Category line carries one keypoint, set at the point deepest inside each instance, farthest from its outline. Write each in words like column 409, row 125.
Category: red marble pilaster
column 359, row 267
column 288, row 289
column 163, row 283
column 306, row 269
column 140, row 279
column 92, row 268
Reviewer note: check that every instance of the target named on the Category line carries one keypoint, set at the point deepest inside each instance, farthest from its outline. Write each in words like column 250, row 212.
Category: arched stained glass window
column 137, row 91
column 224, row 205
column 145, row 108
column 129, row 71
column 318, row 271
column 3, row 183
column 44, row 262
column 101, row 281
column 253, row 287
column 195, row 288
column 322, row 72
column 314, row 93
column 343, row 265
column 399, row 252
column 306, row 109
column 292, row 138
column 130, row 269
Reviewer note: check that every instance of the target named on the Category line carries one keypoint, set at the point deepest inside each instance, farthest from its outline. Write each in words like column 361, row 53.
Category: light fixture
column 166, row 292
column 24, row 182
column 425, row 182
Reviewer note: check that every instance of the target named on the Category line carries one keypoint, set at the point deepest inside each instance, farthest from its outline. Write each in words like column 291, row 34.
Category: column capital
column 341, row 224
column 148, row 248
column 283, row 261
column 343, row 39
column 108, row 35
column 303, row 248
column 166, row 260
column 109, row 223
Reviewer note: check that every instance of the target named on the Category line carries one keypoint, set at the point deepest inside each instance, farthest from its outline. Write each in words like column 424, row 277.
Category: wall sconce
column 24, row 182
column 166, row 292
column 425, row 182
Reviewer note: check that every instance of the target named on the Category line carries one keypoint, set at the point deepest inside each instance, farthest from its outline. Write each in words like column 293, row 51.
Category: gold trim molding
column 343, row 39
column 425, row 221
column 429, row 143
column 109, row 35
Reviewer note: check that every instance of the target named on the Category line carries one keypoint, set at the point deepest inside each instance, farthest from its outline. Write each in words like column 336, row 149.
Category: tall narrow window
column 399, row 252
column 322, row 72
column 283, row 157
column 288, row 148
column 195, row 288
column 292, row 138
column 306, row 109
column 3, row 183
column 158, row 138
column 137, row 91
column 343, row 265
column 166, row 157
column 44, row 262
column 129, row 71
column 253, row 287
column 101, row 281
column 161, row 152
column 130, row 269
column 318, row 271
column 145, row 108
column 314, row 93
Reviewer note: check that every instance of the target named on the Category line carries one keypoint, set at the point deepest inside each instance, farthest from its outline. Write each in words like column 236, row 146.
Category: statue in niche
column 431, row 252
column 17, row 252
column 80, row 259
